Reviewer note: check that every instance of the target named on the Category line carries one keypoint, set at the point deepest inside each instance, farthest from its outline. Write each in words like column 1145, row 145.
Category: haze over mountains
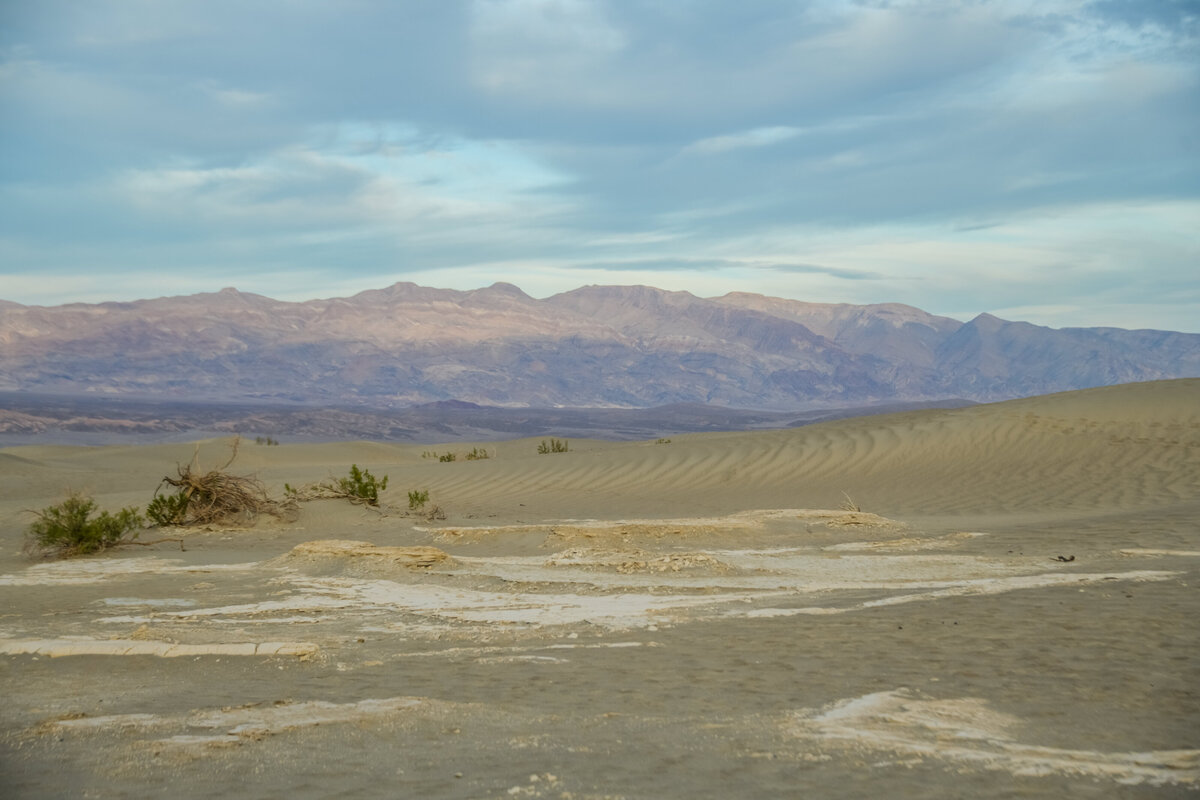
column 597, row 346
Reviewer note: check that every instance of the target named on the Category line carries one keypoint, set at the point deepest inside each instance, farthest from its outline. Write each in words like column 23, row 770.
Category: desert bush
column 361, row 486
column 265, row 440
column 476, row 454
column 448, row 458
column 168, row 509
column 663, row 441
column 555, row 446
column 212, row 497
column 69, row 528
column 418, row 499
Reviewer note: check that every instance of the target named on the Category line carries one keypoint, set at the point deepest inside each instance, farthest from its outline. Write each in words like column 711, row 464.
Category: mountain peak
column 501, row 287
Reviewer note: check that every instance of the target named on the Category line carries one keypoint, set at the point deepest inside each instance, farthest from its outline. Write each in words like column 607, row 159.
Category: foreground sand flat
column 1012, row 612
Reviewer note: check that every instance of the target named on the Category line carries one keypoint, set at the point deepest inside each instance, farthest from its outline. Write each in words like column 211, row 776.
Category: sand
column 1012, row 612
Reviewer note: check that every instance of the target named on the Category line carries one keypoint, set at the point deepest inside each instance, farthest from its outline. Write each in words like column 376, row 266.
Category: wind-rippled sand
column 1013, row 613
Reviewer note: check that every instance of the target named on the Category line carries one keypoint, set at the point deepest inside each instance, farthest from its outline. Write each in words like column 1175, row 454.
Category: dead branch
column 216, row 496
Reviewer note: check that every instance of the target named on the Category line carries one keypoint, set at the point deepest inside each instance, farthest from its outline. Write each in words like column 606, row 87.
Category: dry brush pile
column 215, row 497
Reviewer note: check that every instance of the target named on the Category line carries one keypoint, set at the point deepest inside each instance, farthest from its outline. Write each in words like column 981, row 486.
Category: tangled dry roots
column 216, row 497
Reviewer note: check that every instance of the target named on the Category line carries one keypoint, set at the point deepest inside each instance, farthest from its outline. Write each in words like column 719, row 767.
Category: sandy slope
column 699, row 570
column 1111, row 449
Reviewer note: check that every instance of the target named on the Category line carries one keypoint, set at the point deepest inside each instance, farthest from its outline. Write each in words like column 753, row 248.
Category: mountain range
column 596, row 347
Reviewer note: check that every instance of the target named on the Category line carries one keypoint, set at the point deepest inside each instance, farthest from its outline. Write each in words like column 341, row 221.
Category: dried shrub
column 213, row 497
column 848, row 504
column 360, row 487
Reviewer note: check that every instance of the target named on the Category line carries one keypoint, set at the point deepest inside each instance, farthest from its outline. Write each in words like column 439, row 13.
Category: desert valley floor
column 1015, row 612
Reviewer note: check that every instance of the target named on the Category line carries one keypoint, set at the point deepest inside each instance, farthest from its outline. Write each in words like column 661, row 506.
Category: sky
column 1034, row 159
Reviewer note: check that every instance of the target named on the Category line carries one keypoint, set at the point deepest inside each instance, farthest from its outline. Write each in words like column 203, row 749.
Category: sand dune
column 637, row 619
column 1114, row 448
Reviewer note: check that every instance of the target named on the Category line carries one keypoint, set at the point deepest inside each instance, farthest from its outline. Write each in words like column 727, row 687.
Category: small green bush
column 168, row 509
column 663, row 441
column 265, row 440
column 69, row 528
column 447, row 458
column 418, row 499
column 476, row 454
column 361, row 486
column 555, row 446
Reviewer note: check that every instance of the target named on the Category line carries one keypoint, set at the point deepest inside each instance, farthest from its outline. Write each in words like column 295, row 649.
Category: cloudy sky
column 1037, row 159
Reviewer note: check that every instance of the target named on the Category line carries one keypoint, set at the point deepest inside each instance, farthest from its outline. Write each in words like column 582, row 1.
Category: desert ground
column 994, row 601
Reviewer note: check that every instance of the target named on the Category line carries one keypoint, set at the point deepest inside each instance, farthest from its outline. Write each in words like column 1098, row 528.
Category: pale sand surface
column 640, row 620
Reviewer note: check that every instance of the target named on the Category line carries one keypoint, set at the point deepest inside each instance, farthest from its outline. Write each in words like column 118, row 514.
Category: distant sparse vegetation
column 475, row 455
column 70, row 529
column 267, row 440
column 554, row 446
column 663, row 441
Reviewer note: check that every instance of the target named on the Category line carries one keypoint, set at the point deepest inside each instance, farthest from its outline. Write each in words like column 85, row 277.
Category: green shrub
column 418, row 499
column 265, row 440
column 168, row 509
column 448, row 458
column 663, row 441
column 476, row 454
column 555, row 446
column 361, row 486
column 69, row 528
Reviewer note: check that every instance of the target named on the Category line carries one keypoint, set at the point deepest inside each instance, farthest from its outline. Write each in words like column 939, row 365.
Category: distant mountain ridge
column 597, row 346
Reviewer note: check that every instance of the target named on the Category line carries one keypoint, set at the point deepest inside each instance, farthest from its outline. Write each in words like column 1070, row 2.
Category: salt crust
column 968, row 730
column 245, row 723
column 55, row 648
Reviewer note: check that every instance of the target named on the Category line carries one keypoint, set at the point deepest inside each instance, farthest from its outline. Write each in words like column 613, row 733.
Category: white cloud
column 236, row 98
column 958, row 156
column 758, row 137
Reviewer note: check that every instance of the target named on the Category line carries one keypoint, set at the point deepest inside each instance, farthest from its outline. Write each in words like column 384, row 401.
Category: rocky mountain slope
column 598, row 346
